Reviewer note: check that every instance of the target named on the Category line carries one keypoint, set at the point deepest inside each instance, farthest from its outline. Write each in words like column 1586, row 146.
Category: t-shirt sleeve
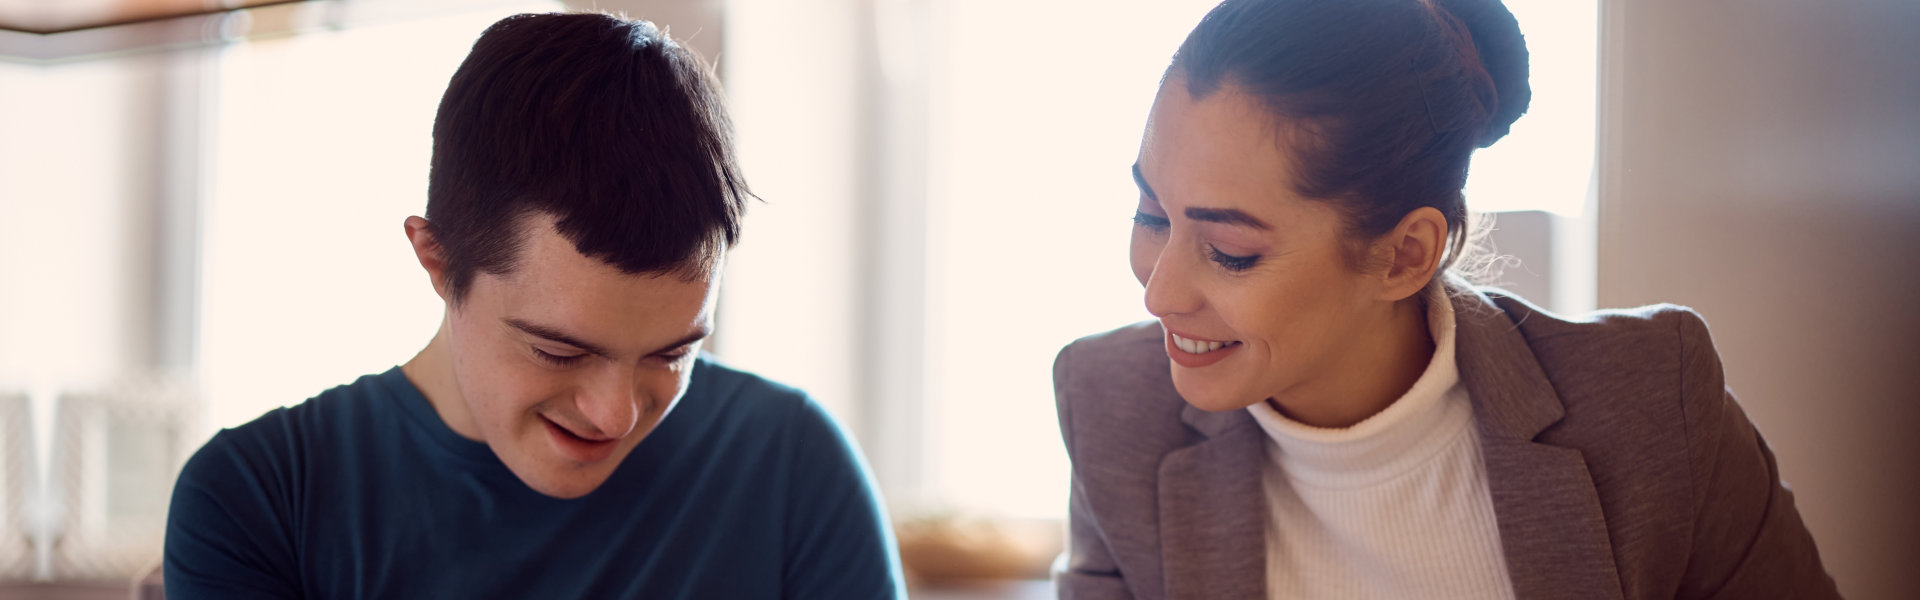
column 839, row 544
column 223, row 537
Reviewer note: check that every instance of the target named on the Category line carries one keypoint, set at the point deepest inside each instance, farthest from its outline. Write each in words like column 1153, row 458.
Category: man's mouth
column 584, row 438
column 577, row 447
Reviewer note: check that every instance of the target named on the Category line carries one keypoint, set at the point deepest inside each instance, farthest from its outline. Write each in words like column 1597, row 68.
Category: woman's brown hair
column 1382, row 102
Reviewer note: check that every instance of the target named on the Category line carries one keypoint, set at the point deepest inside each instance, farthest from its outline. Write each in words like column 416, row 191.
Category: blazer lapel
column 1213, row 510
column 1551, row 524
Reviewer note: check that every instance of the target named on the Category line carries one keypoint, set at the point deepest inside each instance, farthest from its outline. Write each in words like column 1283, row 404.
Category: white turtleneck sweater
column 1393, row 507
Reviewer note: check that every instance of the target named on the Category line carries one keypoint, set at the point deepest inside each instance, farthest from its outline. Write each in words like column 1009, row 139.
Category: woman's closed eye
column 1231, row 262
column 1153, row 223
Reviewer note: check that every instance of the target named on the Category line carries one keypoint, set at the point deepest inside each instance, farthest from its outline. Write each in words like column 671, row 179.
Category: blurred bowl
column 952, row 549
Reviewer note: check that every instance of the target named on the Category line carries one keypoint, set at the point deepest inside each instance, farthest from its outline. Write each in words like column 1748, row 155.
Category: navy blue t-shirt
column 747, row 489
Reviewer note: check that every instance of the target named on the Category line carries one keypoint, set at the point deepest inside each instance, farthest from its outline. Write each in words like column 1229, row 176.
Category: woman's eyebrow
column 1227, row 216
column 1142, row 182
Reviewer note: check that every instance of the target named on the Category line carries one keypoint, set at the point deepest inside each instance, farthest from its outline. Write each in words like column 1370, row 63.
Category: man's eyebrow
column 696, row 336
column 542, row 331
column 1142, row 182
column 1227, row 216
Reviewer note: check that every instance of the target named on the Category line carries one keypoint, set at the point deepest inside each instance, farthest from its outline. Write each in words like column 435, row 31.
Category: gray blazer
column 1620, row 466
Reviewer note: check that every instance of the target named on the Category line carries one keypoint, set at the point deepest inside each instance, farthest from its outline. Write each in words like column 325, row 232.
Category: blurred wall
column 1761, row 163
column 84, row 212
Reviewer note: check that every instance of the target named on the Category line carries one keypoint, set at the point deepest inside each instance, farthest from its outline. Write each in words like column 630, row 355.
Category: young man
column 560, row 436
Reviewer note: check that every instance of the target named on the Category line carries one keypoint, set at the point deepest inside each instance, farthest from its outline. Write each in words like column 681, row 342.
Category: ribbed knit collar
column 1392, row 442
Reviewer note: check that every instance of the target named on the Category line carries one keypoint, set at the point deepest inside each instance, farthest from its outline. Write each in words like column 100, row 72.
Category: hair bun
column 1503, row 52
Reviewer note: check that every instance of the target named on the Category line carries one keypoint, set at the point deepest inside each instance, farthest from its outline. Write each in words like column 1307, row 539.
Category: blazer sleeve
column 1748, row 540
column 1088, row 571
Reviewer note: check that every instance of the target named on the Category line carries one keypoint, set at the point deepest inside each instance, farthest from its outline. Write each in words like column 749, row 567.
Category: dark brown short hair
column 1382, row 102
column 607, row 125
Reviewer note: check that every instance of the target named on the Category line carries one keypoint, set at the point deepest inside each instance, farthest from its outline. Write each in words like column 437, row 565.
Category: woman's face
column 1249, row 280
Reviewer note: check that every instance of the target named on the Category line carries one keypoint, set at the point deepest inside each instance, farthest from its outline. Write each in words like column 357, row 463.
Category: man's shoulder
column 735, row 401
column 715, row 379
column 316, row 415
column 741, row 420
column 279, row 438
column 235, row 513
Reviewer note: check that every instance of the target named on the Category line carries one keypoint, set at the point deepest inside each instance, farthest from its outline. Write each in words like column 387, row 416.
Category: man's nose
column 611, row 405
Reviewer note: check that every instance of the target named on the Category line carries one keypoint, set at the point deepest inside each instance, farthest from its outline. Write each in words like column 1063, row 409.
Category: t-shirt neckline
column 428, row 423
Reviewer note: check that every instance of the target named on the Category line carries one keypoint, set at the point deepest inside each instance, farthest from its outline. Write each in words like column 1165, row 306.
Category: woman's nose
column 1170, row 288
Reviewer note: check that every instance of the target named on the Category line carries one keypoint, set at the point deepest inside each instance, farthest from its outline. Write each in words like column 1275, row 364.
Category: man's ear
column 431, row 255
column 1413, row 252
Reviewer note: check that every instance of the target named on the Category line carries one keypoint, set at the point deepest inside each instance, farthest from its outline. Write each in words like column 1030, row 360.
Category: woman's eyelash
column 1228, row 261
column 1148, row 221
column 1231, row 262
column 557, row 360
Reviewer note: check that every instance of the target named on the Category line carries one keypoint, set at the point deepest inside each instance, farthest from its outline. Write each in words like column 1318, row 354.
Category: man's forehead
column 541, row 249
column 546, row 257
column 601, row 288
column 550, row 275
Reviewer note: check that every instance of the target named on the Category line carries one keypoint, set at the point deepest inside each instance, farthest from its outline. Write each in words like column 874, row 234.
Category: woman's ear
column 1412, row 252
column 429, row 252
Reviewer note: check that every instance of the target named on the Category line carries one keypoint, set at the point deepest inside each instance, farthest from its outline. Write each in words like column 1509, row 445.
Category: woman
column 1321, row 411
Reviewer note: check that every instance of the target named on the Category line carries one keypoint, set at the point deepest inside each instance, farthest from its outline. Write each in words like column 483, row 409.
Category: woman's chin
column 1210, row 394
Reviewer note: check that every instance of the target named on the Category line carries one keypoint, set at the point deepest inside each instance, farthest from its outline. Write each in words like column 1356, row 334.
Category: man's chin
column 565, row 486
column 545, row 471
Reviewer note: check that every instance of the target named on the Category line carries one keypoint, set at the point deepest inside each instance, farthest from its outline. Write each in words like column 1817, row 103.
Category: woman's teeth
column 1197, row 346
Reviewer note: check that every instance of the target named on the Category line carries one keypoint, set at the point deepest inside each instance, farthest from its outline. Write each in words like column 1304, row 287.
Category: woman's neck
column 1379, row 367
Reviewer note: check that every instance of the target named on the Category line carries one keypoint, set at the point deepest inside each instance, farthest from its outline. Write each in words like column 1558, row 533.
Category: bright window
column 1546, row 162
column 1032, row 207
column 322, row 150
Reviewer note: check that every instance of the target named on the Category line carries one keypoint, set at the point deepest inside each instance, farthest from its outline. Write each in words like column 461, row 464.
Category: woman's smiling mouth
column 1194, row 353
